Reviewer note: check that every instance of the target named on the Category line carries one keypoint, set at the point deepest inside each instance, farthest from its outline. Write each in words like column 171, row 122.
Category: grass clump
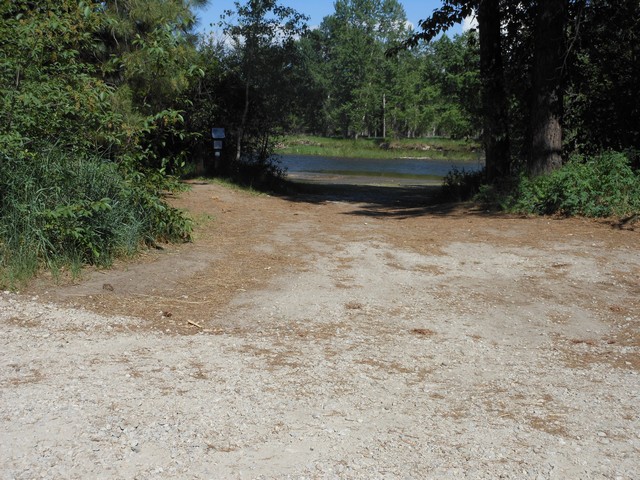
column 61, row 210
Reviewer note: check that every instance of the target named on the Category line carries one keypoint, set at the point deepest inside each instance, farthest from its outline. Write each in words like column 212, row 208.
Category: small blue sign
column 217, row 133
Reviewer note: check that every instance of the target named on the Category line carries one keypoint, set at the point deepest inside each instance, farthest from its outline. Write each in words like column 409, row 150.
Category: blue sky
column 316, row 9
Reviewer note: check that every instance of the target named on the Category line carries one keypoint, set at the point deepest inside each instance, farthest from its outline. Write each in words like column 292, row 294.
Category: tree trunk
column 243, row 122
column 494, row 100
column 547, row 105
column 384, row 115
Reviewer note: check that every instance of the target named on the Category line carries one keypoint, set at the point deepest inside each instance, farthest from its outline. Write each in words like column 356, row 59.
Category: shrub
column 69, row 99
column 461, row 185
column 599, row 186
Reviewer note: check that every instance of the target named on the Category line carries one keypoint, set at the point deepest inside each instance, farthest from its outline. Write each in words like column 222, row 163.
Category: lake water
column 402, row 171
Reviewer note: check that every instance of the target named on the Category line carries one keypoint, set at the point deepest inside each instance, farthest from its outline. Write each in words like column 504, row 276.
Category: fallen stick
column 194, row 324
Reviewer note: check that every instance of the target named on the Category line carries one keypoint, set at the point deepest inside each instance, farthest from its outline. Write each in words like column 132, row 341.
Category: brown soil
column 360, row 333
column 243, row 241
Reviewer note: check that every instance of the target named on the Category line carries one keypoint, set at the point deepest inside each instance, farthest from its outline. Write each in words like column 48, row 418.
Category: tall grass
column 67, row 209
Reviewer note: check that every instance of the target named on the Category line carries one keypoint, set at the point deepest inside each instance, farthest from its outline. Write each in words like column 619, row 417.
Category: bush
column 68, row 100
column 57, row 209
column 600, row 186
column 460, row 185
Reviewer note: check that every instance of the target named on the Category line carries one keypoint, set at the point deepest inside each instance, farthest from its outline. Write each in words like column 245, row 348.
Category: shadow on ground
column 389, row 201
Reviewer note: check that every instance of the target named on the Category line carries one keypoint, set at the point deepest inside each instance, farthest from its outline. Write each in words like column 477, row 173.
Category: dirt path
column 344, row 337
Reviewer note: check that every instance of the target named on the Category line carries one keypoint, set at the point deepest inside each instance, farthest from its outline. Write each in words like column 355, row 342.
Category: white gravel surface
column 371, row 363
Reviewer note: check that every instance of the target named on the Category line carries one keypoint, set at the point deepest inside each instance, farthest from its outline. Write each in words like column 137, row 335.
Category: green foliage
column 247, row 88
column 432, row 148
column 84, row 156
column 597, row 78
column 600, row 186
column 594, row 187
column 461, row 185
column 46, row 90
column 452, row 67
column 354, row 84
column 349, row 86
column 603, row 100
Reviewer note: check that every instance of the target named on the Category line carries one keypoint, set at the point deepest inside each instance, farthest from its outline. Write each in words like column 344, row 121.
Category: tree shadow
column 377, row 201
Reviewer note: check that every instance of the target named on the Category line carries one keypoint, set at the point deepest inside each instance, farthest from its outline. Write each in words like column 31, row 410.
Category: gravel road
column 510, row 351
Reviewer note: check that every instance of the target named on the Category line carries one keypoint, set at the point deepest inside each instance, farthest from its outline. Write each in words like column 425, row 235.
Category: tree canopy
column 544, row 75
column 102, row 103
column 88, row 94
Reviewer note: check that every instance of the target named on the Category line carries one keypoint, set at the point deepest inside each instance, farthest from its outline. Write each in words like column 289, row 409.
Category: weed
column 461, row 185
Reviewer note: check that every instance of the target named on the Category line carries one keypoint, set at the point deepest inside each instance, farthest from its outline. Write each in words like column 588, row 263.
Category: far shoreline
column 438, row 148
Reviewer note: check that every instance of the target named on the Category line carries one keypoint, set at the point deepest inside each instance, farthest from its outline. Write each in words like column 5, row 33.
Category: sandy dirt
column 358, row 336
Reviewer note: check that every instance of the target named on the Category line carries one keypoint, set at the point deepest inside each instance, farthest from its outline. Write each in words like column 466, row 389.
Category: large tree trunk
column 546, row 112
column 494, row 100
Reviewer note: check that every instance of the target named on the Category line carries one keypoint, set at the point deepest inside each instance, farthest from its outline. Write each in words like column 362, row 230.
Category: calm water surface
column 315, row 168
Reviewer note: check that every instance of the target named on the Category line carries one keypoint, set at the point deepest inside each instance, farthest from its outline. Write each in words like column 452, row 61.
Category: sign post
column 218, row 136
column 218, row 143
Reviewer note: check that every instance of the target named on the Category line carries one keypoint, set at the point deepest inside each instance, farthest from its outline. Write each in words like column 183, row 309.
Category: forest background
column 106, row 104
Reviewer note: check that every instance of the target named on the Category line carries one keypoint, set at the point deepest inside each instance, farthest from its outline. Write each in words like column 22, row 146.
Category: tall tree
column 457, row 76
column 494, row 100
column 147, row 49
column 603, row 98
column 356, row 36
column 547, row 102
column 313, row 84
column 262, row 32
column 147, row 55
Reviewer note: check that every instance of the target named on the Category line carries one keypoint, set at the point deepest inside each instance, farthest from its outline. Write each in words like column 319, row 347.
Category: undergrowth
column 61, row 210
column 460, row 185
column 599, row 186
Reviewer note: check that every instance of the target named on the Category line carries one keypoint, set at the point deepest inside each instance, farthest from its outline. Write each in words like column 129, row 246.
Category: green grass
column 60, row 210
column 231, row 184
column 431, row 148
